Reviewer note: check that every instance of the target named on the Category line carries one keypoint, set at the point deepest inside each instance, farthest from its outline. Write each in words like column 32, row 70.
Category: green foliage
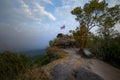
column 81, row 35
column 55, row 53
column 51, row 43
column 15, row 66
column 42, row 60
column 95, row 13
column 11, row 65
column 25, row 60
column 34, row 74
column 111, row 49
column 90, row 13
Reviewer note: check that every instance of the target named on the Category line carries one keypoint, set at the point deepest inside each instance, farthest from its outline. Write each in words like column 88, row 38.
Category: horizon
column 28, row 25
column 23, row 51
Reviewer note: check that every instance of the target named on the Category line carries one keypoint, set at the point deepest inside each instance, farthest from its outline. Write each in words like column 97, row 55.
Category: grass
column 19, row 67
column 56, row 53
column 34, row 74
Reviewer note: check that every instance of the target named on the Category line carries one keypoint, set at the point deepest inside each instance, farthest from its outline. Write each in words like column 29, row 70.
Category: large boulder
column 67, row 72
column 84, row 74
column 64, row 43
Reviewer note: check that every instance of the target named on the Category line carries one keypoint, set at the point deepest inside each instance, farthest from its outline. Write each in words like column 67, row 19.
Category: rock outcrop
column 64, row 41
column 59, row 73
column 84, row 74
column 72, row 69
column 75, row 67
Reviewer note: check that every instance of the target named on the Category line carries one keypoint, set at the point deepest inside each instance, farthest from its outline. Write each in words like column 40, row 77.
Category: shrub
column 55, row 53
column 42, row 60
column 11, row 65
column 35, row 74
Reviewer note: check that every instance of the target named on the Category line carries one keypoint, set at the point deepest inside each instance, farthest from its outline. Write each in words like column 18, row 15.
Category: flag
column 63, row 27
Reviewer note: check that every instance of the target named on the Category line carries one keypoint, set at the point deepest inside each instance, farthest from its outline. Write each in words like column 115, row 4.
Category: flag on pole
column 63, row 27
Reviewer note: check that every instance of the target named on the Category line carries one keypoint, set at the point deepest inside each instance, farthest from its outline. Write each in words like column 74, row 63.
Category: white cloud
column 26, row 8
column 74, row 3
column 28, row 12
column 48, row 1
column 64, row 15
column 113, row 2
column 42, row 11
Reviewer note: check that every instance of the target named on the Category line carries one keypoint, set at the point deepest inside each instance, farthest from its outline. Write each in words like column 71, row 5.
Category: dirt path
column 65, row 70
column 105, row 70
column 76, row 68
column 101, row 68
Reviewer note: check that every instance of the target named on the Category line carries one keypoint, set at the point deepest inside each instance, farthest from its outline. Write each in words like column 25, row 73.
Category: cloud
column 23, row 37
column 48, row 1
column 114, row 2
column 28, row 12
column 42, row 11
column 25, row 24
column 26, row 8
column 64, row 16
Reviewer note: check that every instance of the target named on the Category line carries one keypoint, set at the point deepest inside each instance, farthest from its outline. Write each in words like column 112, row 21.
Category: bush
column 11, row 65
column 55, row 53
column 35, row 74
column 42, row 60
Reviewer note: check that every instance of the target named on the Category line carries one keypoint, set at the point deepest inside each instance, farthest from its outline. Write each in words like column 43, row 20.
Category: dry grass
column 44, row 72
column 35, row 74
column 55, row 51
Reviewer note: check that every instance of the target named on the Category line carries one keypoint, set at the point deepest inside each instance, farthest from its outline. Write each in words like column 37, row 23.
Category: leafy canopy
column 95, row 13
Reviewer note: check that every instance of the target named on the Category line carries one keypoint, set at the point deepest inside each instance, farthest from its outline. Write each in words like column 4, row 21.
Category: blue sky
column 30, row 24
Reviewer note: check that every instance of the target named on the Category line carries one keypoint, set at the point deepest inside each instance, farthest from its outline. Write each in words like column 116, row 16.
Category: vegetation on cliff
column 14, row 66
column 55, row 53
column 105, row 43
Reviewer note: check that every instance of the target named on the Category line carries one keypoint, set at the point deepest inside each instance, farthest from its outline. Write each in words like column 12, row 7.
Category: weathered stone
column 84, row 74
column 63, row 72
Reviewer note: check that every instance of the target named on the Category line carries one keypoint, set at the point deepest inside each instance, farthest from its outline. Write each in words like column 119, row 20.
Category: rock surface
column 61, row 72
column 71, row 70
column 84, row 74
column 74, row 67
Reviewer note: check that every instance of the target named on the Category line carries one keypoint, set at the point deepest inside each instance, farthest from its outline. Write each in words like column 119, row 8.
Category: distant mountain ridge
column 34, row 52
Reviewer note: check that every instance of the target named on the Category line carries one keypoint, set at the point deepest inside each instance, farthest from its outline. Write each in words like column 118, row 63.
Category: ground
column 74, row 67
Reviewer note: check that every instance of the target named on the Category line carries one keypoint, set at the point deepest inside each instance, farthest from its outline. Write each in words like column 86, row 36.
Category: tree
column 108, row 33
column 80, row 35
column 95, row 14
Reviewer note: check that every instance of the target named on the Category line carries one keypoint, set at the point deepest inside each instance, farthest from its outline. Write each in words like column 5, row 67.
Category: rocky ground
column 74, row 67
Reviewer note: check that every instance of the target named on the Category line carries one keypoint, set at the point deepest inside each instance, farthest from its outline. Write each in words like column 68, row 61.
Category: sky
column 31, row 24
